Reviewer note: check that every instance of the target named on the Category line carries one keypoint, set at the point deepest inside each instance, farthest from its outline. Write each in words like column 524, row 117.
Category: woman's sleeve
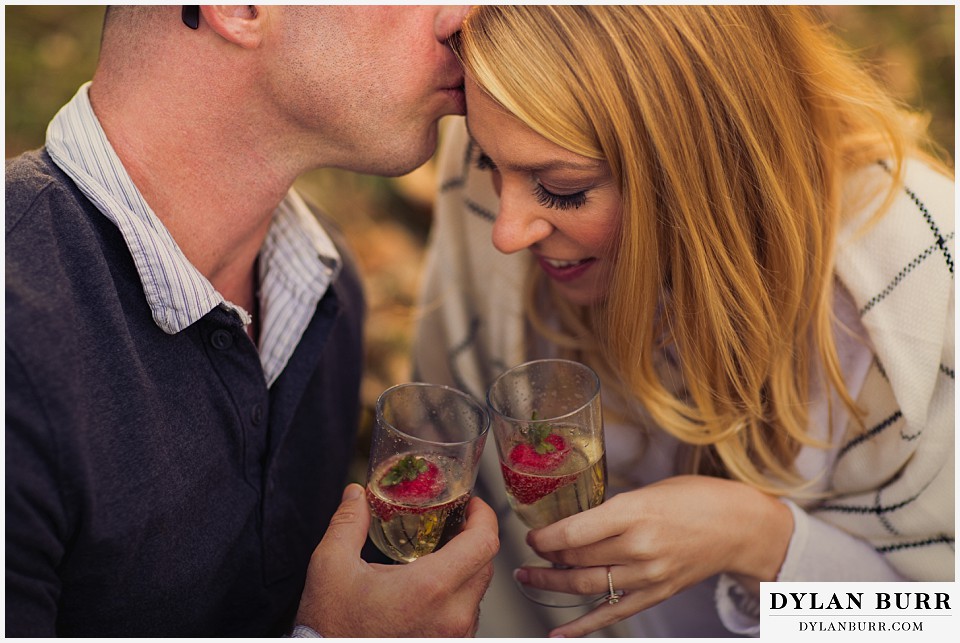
column 818, row 551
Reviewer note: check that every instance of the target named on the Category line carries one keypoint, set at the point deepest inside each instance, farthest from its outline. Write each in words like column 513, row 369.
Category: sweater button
column 221, row 339
column 256, row 414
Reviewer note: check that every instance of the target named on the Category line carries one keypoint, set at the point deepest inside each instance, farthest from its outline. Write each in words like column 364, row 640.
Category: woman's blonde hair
column 730, row 130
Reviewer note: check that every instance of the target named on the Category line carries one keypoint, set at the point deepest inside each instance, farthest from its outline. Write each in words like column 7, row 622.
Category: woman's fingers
column 615, row 550
column 583, row 529
column 594, row 581
column 602, row 616
column 586, row 581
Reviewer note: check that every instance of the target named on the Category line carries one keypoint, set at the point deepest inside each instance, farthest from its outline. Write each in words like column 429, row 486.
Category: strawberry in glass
column 418, row 504
column 548, row 478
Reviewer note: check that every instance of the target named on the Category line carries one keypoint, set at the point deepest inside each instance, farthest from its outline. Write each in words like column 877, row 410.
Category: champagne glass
column 548, row 428
column 426, row 445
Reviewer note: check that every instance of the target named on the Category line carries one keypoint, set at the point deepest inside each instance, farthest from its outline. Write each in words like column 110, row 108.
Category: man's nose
column 448, row 20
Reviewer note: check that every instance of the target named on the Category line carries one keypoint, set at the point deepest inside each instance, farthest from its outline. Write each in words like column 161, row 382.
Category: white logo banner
column 858, row 611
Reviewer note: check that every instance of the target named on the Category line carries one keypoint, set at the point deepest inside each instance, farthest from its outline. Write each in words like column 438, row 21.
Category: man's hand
column 437, row 595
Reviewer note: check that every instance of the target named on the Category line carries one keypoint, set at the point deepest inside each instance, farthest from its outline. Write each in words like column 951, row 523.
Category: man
column 184, row 339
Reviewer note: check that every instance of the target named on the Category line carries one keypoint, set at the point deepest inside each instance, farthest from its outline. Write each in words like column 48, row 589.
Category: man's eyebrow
column 552, row 164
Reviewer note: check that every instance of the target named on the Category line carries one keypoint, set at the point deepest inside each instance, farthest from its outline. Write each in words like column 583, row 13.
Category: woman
column 721, row 213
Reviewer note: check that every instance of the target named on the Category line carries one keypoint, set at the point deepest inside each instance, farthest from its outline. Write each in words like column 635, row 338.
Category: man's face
column 366, row 84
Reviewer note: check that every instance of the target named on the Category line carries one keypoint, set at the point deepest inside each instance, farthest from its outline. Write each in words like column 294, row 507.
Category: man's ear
column 239, row 24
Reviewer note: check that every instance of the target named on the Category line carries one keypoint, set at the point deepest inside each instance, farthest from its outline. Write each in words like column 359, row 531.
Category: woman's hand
column 659, row 540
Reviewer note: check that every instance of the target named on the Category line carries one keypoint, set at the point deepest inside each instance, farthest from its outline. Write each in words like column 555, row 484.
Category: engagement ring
column 613, row 598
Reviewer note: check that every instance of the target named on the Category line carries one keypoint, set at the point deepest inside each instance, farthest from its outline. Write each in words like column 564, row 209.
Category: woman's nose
column 518, row 225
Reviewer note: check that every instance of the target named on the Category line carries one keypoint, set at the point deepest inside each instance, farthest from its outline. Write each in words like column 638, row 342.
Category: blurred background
column 52, row 50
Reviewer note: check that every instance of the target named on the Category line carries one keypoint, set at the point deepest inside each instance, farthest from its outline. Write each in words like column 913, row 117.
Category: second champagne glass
column 548, row 427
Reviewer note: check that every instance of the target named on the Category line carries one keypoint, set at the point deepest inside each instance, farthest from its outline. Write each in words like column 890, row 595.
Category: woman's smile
column 564, row 271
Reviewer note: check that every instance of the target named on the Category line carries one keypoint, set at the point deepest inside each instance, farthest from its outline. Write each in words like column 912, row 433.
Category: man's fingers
column 348, row 527
column 479, row 515
column 471, row 551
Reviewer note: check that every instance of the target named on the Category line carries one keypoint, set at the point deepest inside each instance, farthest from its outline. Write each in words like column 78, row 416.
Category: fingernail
column 352, row 492
column 521, row 576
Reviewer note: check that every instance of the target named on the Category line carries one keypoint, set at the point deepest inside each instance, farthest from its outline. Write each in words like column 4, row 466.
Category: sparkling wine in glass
column 426, row 444
column 548, row 428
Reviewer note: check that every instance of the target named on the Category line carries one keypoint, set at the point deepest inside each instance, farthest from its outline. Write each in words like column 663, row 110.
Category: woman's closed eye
column 548, row 199
column 544, row 197
column 483, row 162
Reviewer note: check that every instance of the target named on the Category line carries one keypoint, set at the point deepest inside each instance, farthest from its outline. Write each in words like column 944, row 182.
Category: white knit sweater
column 892, row 487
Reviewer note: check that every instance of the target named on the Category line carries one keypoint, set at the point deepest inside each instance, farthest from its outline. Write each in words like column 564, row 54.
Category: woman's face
column 561, row 206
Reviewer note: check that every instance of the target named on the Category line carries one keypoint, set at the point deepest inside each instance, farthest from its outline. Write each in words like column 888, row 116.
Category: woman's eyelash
column 560, row 201
column 484, row 162
column 544, row 197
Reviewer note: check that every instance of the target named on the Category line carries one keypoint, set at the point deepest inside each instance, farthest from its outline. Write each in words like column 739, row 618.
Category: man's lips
column 563, row 270
column 456, row 94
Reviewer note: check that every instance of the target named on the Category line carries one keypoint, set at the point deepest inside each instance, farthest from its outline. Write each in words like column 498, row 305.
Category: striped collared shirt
column 298, row 260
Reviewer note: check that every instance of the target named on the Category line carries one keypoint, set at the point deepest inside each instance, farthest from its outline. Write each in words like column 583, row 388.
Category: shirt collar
column 298, row 260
